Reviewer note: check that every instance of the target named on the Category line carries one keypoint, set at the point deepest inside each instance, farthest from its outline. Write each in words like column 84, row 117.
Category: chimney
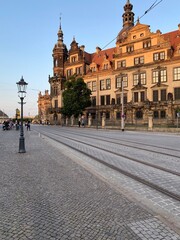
column 82, row 48
column 179, row 26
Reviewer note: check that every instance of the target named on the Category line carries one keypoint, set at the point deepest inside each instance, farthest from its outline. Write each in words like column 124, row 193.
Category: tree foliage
column 76, row 97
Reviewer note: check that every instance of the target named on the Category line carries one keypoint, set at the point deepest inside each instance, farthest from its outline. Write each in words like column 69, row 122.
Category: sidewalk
column 45, row 195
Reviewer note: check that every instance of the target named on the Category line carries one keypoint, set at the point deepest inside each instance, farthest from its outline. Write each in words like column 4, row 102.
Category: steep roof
column 98, row 57
column 173, row 37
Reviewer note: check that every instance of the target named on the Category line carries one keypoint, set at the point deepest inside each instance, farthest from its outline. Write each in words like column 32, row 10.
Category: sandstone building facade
column 142, row 70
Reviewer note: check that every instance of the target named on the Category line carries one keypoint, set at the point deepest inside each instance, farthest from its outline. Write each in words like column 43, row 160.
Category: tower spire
column 60, row 32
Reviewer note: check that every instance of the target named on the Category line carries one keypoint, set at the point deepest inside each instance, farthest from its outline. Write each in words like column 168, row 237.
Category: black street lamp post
column 22, row 85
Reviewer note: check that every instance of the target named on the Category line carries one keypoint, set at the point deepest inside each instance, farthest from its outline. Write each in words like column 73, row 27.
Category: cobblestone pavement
column 46, row 195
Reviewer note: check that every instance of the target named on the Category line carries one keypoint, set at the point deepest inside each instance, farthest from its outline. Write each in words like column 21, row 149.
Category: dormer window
column 106, row 66
column 142, row 35
column 93, row 69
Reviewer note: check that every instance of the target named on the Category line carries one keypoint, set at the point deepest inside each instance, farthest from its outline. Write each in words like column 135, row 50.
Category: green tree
column 76, row 97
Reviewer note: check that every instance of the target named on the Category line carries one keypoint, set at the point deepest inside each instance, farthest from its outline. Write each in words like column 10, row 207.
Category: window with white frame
column 176, row 72
column 159, row 75
column 79, row 70
column 147, row 44
column 139, row 78
column 159, row 56
column 119, row 80
column 102, row 85
column 121, row 64
column 139, row 60
column 69, row 72
column 108, row 83
column 94, row 86
column 130, row 48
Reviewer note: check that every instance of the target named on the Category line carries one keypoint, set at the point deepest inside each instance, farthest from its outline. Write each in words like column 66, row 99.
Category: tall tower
column 60, row 55
column 128, row 15
column 128, row 21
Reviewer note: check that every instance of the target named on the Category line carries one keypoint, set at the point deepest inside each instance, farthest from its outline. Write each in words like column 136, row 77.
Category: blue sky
column 29, row 31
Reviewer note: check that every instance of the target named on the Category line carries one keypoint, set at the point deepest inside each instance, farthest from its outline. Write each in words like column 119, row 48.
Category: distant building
column 3, row 117
column 44, row 104
column 147, row 63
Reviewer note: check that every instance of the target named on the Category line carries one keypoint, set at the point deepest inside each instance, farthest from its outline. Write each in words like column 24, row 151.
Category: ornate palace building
column 143, row 67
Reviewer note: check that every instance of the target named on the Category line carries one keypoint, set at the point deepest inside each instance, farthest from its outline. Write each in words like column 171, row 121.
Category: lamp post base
column 21, row 145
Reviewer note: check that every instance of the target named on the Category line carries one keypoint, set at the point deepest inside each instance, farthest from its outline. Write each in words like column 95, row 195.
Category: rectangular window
column 177, row 93
column 163, row 114
column 102, row 85
column 79, row 70
column 118, row 82
column 143, row 78
column 69, row 72
column 176, row 74
column 130, row 48
column 94, row 86
column 139, row 78
column 135, row 79
column 108, row 83
column 142, row 96
column 163, row 75
column 93, row 101
column 56, row 103
column 156, row 114
column 147, row 44
column 155, row 76
column 108, row 100
column 73, row 59
column 106, row 66
column 159, row 76
column 118, row 99
column 163, row 94
column 159, row 56
column 139, row 60
column 155, row 96
column 102, row 100
column 121, row 64
column 135, row 96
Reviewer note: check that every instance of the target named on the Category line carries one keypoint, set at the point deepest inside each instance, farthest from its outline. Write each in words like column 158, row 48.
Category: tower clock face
column 124, row 34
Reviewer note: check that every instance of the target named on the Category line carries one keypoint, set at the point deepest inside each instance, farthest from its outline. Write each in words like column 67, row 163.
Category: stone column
column 89, row 120
column 72, row 121
column 67, row 121
column 150, row 120
column 103, row 120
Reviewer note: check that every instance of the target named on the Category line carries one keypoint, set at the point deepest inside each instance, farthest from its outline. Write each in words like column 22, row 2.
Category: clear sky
column 29, row 31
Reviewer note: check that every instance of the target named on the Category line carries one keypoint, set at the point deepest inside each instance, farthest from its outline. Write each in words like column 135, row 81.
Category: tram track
column 120, row 170
column 137, row 147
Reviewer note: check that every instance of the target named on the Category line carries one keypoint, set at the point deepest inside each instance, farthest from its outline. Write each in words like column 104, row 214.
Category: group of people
column 9, row 124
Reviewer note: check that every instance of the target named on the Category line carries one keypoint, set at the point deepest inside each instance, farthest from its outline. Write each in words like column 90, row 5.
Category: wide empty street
column 81, row 183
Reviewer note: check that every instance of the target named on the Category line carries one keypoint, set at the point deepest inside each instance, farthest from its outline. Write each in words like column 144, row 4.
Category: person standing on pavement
column 28, row 126
column 79, row 121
